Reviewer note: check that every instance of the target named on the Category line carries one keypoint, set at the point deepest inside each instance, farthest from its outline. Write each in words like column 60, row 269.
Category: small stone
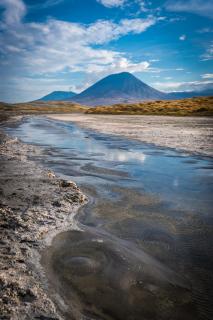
column 51, row 174
column 57, row 204
column 67, row 184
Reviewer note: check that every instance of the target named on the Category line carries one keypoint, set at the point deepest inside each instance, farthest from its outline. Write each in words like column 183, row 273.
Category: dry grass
column 200, row 106
column 7, row 110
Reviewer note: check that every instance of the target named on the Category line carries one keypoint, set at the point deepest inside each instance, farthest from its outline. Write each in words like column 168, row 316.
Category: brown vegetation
column 39, row 108
column 200, row 106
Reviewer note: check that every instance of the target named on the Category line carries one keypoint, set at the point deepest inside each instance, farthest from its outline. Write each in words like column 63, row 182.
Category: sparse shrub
column 182, row 107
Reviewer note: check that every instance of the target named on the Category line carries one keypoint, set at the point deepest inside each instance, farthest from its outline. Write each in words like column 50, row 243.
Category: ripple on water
column 80, row 265
column 110, row 282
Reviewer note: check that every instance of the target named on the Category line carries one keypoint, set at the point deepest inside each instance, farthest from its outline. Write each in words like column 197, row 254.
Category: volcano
column 118, row 88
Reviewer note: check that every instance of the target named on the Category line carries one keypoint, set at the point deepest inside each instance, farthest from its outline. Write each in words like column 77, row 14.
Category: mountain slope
column 58, row 96
column 118, row 88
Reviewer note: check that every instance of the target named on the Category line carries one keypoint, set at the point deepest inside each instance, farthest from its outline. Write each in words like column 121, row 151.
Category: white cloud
column 205, row 30
column 103, row 30
column 182, row 37
column 111, row 3
column 184, row 86
column 14, row 10
column 55, row 45
column 143, row 6
column 177, row 19
column 45, row 4
column 136, row 25
column 208, row 55
column 207, row 76
column 199, row 7
column 122, row 64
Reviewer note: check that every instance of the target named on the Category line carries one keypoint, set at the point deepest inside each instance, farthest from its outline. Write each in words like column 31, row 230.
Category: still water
column 144, row 248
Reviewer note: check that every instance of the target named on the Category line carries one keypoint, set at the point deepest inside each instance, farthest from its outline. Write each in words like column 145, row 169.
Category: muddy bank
column 193, row 135
column 34, row 206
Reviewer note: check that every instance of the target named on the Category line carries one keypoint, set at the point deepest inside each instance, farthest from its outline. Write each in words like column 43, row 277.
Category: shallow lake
column 144, row 248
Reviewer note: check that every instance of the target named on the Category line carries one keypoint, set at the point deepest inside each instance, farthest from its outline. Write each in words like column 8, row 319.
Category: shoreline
column 35, row 205
column 190, row 135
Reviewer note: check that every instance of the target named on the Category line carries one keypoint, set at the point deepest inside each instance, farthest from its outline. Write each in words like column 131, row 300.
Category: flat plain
column 190, row 134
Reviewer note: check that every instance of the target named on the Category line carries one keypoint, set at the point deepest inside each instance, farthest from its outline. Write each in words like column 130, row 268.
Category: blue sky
column 69, row 44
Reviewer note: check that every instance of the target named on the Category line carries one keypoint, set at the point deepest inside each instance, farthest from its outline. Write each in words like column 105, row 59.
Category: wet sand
column 190, row 134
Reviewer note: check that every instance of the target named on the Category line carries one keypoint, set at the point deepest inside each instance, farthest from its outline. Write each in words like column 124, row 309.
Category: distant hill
column 118, row 88
column 58, row 96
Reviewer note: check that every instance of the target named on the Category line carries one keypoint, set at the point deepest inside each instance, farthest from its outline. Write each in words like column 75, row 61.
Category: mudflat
column 190, row 134
column 142, row 249
column 34, row 206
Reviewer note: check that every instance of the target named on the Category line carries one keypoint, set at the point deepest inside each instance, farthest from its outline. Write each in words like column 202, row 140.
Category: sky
column 70, row 44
